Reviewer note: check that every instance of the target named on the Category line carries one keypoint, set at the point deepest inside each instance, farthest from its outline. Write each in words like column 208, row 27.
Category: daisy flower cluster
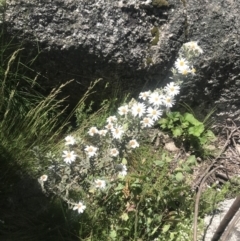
column 109, row 145
column 119, row 135
column 188, row 52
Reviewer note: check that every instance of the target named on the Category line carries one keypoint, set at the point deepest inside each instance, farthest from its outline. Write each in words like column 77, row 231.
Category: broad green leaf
column 124, row 161
column 176, row 116
column 179, row 176
column 124, row 217
column 168, row 159
column 191, row 119
column 159, row 163
column 191, row 160
column 163, row 121
column 165, row 228
column 179, row 169
column 185, row 124
column 119, row 187
column 177, row 131
column 186, row 168
column 164, row 126
column 125, row 127
column 203, row 140
column 149, row 220
column 196, row 130
column 113, row 234
column 172, row 235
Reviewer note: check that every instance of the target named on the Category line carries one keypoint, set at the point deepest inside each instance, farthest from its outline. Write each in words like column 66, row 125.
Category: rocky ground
column 212, row 222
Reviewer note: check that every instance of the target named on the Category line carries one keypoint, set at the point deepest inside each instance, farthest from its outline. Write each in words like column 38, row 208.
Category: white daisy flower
column 91, row 150
column 123, row 110
column 200, row 50
column 69, row 140
column 184, row 71
column 102, row 132
column 109, row 126
column 100, row 184
column 43, row 178
column 111, row 119
column 193, row 71
column 193, row 46
column 181, row 64
column 133, row 144
column 92, row 131
column 169, row 101
column 138, row 109
column 114, row 152
column 155, row 99
column 154, row 113
column 117, row 132
column 79, row 207
column 69, row 156
column 147, row 122
column 144, row 95
column 123, row 172
column 172, row 89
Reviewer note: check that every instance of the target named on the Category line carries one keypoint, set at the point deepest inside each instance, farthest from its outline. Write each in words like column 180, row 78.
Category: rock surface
column 133, row 44
column 212, row 222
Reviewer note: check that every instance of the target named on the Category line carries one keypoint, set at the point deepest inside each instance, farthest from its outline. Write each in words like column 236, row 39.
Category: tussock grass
column 27, row 118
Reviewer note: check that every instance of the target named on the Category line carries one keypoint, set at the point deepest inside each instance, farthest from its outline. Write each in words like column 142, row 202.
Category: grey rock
column 212, row 222
column 85, row 40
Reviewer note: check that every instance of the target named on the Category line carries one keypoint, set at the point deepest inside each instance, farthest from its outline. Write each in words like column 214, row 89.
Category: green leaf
column 172, row 235
column 177, row 131
column 191, row 119
column 165, row 228
column 124, row 217
column 186, row 168
column 149, row 220
column 124, row 161
column 154, row 230
column 113, row 234
column 163, row 121
column 125, row 127
column 191, row 160
column 196, row 130
column 179, row 176
column 164, row 126
column 185, row 124
column 210, row 134
column 159, row 163
column 203, row 140
column 119, row 187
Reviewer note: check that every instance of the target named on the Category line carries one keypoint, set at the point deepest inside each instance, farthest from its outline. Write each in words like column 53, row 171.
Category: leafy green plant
column 151, row 200
column 186, row 128
column 91, row 175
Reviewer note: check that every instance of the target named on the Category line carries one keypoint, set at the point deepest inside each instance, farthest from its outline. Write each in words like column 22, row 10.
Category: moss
column 149, row 61
column 159, row 3
column 155, row 34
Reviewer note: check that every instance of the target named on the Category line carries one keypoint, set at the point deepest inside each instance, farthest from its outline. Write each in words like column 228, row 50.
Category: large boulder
column 133, row 44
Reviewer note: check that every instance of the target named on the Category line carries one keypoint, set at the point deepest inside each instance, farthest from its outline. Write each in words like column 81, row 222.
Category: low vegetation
column 103, row 180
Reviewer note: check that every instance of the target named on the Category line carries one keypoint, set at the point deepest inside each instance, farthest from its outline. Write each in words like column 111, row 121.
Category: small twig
column 136, row 221
column 233, row 223
column 219, row 155
column 235, row 145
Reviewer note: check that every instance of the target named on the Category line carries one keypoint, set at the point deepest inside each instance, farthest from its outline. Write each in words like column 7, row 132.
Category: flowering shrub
column 95, row 165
